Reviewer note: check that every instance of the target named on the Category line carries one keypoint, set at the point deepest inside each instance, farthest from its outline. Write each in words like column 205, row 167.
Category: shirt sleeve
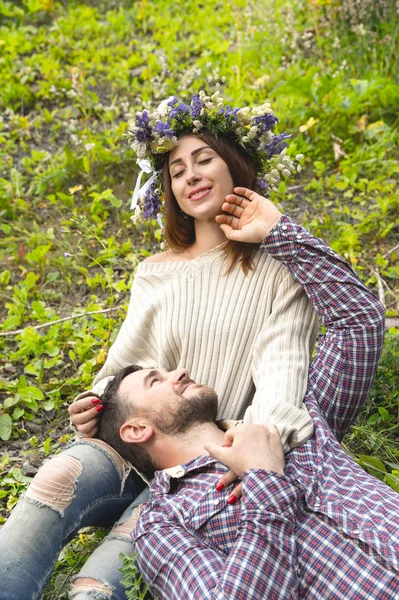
column 261, row 564
column 342, row 371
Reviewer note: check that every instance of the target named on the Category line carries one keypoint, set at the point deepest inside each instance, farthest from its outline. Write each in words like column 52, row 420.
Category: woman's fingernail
column 220, row 487
column 99, row 407
column 96, row 401
column 226, row 446
column 232, row 499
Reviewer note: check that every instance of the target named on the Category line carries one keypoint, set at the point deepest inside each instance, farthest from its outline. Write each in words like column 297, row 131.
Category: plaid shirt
column 325, row 529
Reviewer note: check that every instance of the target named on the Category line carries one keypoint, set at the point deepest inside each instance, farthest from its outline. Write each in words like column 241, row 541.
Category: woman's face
column 200, row 179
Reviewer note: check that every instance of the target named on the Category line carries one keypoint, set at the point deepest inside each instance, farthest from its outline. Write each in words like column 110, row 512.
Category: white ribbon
column 139, row 192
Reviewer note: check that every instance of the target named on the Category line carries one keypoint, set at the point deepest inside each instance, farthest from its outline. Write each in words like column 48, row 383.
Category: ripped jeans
column 87, row 484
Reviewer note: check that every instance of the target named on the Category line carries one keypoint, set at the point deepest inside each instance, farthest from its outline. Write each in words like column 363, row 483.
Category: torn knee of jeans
column 116, row 458
column 90, row 588
column 124, row 530
column 55, row 482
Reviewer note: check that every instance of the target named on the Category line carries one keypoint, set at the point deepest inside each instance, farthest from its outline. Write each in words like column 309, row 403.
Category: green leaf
column 5, row 427
column 46, row 445
column 392, row 481
column 48, row 405
column 372, row 464
column 384, row 413
column 17, row 414
column 11, row 401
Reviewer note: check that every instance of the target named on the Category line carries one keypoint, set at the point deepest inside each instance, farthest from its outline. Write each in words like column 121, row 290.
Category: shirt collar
column 162, row 479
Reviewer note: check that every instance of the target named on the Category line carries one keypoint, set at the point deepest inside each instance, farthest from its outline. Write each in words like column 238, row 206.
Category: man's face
column 169, row 399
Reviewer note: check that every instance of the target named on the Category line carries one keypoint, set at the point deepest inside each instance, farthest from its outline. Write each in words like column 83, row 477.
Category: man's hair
column 115, row 413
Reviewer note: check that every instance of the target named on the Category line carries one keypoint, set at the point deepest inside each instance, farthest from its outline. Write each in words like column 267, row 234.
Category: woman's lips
column 200, row 195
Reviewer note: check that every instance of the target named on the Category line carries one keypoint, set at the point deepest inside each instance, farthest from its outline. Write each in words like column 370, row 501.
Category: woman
column 224, row 309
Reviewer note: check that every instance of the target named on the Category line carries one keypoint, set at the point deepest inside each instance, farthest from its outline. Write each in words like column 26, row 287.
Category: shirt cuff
column 282, row 241
column 266, row 491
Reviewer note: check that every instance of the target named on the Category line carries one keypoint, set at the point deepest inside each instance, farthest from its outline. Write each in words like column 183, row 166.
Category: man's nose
column 179, row 375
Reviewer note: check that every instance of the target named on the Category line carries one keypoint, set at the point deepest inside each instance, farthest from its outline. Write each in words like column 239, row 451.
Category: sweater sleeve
column 135, row 342
column 280, row 364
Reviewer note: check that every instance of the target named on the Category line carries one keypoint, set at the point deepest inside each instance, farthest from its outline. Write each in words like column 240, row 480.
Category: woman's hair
column 179, row 228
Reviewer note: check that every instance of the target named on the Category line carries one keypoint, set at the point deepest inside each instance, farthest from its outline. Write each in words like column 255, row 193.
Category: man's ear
column 136, row 431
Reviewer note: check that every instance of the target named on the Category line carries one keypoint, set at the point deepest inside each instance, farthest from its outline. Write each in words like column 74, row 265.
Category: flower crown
column 156, row 133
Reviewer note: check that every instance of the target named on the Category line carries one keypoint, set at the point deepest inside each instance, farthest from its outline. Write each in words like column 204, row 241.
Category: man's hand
column 249, row 447
column 251, row 217
column 84, row 415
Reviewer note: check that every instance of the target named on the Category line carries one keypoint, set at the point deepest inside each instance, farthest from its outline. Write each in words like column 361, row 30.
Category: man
column 320, row 527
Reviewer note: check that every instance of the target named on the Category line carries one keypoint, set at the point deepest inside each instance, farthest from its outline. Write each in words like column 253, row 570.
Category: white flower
column 245, row 139
column 286, row 172
column 163, row 109
column 275, row 173
column 89, row 147
column 299, row 168
column 198, row 124
column 137, row 217
column 217, row 97
column 252, row 132
column 244, row 115
column 299, row 156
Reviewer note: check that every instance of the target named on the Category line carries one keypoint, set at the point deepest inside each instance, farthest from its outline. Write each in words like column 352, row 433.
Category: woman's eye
column 179, row 174
column 206, row 160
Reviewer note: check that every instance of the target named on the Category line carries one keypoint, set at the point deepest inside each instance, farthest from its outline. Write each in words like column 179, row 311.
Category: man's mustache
column 184, row 383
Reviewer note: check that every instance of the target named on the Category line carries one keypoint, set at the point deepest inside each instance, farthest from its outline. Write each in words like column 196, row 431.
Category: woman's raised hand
column 84, row 415
column 248, row 447
column 251, row 216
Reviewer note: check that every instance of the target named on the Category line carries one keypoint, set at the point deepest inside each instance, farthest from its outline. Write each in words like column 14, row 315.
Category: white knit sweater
column 233, row 332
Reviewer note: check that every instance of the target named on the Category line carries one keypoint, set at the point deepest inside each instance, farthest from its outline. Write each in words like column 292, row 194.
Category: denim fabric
column 33, row 536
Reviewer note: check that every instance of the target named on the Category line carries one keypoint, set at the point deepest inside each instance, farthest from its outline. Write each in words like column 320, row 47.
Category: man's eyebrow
column 149, row 375
column 193, row 153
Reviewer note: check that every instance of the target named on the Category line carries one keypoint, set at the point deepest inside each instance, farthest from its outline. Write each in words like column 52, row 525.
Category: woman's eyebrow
column 193, row 153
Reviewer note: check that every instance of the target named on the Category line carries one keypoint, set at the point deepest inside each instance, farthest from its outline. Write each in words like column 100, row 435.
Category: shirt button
column 284, row 227
column 216, row 502
column 261, row 507
column 299, row 237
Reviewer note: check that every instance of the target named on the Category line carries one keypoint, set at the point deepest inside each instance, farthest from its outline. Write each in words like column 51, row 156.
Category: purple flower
column 144, row 134
column 179, row 111
column 152, row 202
column 231, row 112
column 276, row 146
column 163, row 129
column 265, row 123
column 261, row 183
column 196, row 106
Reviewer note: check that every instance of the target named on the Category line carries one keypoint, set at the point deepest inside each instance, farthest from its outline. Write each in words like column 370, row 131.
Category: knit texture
column 231, row 331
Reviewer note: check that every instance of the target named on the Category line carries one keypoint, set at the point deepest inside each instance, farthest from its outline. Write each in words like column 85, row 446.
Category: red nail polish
column 96, row 401
column 220, row 487
column 99, row 407
column 232, row 499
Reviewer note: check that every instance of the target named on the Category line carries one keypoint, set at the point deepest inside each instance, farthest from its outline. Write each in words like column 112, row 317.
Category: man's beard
column 196, row 410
